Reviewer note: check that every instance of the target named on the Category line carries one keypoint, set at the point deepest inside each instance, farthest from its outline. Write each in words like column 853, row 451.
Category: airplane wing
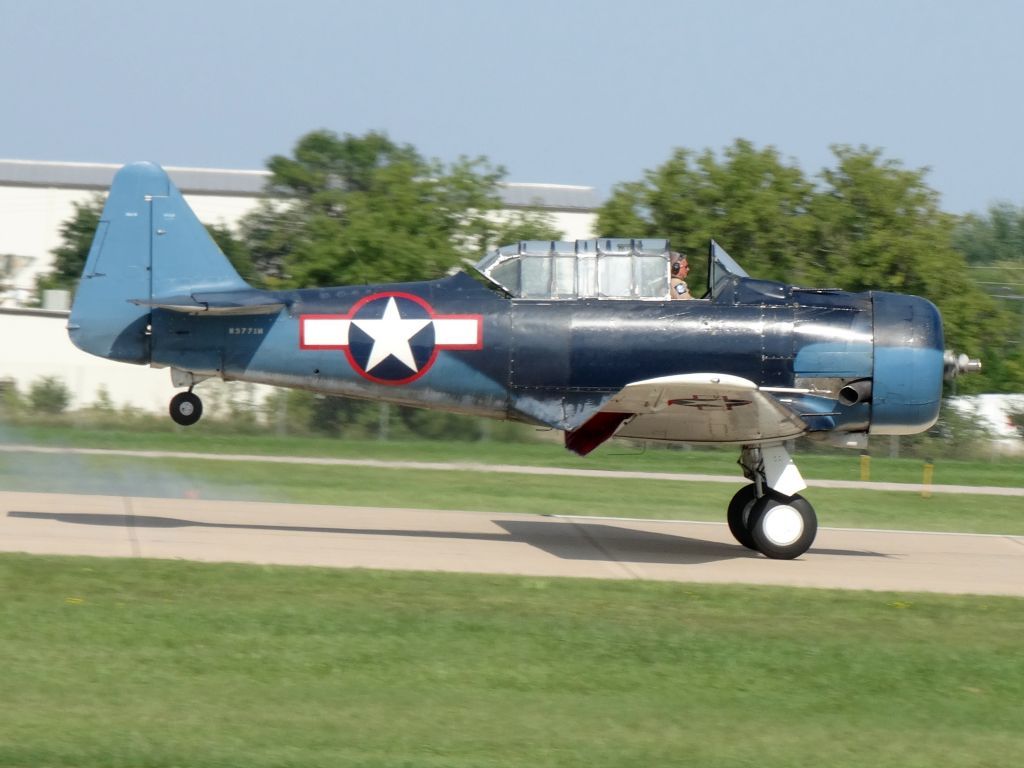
column 692, row 408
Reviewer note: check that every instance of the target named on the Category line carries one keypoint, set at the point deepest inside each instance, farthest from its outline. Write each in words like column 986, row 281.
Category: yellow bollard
column 926, row 479
column 865, row 466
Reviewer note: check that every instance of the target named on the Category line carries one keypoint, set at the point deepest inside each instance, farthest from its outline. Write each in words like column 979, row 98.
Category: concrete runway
column 478, row 542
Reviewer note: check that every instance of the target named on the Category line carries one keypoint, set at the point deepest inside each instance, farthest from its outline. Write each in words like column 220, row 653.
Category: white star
column 391, row 336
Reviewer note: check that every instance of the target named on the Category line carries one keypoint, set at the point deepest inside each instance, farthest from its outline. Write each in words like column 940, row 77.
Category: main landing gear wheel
column 739, row 515
column 186, row 408
column 782, row 527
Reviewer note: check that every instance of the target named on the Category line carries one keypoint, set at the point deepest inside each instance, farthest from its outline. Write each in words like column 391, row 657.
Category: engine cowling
column 906, row 388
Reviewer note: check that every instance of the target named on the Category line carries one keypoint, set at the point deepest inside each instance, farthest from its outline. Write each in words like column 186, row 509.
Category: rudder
column 148, row 245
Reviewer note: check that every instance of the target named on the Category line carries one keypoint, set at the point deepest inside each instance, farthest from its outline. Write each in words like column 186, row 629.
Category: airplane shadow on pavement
column 570, row 540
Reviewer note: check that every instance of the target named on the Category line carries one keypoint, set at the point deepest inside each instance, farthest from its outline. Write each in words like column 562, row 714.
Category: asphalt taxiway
column 478, row 542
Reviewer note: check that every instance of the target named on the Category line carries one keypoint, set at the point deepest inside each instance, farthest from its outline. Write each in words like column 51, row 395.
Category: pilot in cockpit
column 678, row 288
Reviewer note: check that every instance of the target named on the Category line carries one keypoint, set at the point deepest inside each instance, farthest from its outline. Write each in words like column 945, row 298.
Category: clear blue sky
column 562, row 91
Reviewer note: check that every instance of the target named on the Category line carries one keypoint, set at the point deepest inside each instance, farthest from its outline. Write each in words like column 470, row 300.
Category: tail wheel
column 186, row 408
column 782, row 527
column 739, row 515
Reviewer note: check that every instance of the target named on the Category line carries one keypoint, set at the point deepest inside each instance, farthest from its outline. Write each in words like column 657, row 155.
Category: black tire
column 782, row 527
column 739, row 515
column 186, row 408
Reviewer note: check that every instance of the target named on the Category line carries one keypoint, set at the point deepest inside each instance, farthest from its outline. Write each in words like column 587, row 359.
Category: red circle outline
column 366, row 374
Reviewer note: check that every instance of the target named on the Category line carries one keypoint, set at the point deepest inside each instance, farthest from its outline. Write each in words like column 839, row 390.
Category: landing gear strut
column 769, row 516
column 186, row 408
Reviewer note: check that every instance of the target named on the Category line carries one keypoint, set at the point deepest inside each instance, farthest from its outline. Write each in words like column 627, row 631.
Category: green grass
column 208, row 437
column 499, row 492
column 488, row 492
column 147, row 663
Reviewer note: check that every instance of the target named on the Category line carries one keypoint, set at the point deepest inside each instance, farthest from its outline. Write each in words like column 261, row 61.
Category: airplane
column 577, row 336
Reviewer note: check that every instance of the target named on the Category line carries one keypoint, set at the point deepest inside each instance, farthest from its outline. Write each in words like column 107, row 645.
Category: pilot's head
column 680, row 266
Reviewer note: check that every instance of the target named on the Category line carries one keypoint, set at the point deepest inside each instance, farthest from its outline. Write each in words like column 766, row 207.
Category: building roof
column 238, row 183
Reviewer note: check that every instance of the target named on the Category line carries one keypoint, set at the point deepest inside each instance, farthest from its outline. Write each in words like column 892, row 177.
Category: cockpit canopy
column 602, row 268
column 605, row 268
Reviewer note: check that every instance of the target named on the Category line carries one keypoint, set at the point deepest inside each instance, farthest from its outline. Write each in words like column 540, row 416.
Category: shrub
column 49, row 394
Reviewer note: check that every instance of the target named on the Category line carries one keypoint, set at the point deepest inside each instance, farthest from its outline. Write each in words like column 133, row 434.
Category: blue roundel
column 391, row 338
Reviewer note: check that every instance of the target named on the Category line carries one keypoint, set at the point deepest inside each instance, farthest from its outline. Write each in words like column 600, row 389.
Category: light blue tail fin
column 148, row 245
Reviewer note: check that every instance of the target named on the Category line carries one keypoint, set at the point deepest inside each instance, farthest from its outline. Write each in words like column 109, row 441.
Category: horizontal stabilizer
column 249, row 302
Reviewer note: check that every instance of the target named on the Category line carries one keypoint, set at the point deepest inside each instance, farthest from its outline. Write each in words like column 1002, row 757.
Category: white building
column 993, row 414
column 36, row 198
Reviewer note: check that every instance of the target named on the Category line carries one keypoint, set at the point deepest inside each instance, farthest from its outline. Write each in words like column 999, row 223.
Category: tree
column 880, row 227
column 358, row 209
column 69, row 257
column 993, row 246
column 750, row 201
column 237, row 252
column 868, row 223
column 995, row 237
column 270, row 239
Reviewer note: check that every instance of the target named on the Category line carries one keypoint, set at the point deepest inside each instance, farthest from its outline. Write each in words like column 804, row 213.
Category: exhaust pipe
column 858, row 391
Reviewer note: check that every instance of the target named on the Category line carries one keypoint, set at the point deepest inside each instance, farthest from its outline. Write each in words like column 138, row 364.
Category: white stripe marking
column 456, row 331
column 325, row 332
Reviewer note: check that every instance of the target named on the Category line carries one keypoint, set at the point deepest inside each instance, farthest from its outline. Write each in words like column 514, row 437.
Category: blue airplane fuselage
column 553, row 362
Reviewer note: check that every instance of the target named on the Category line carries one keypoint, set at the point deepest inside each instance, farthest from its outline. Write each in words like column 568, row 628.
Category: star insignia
column 391, row 338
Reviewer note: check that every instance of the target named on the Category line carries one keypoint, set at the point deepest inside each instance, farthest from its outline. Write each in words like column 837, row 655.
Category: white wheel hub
column 782, row 525
column 186, row 408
